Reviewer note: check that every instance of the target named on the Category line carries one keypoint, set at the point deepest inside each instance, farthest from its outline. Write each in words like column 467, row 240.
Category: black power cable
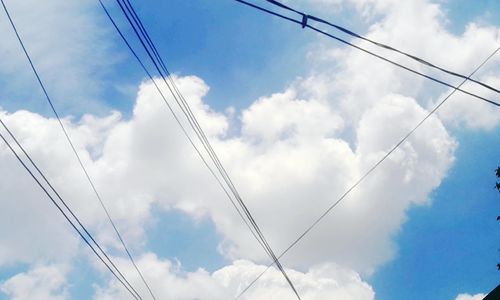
column 306, row 17
column 184, row 106
column 344, row 195
column 194, row 124
column 183, row 129
column 87, row 237
column 80, row 162
column 304, row 24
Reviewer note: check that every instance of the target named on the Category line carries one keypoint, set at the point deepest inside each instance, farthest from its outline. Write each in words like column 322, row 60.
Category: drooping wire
column 87, row 237
column 73, row 148
column 184, row 106
column 381, row 45
column 305, row 24
column 361, row 179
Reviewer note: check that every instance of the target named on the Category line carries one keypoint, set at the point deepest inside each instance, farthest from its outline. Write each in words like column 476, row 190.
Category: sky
column 296, row 118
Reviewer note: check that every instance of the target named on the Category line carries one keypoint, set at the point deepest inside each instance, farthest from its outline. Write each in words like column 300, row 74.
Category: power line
column 198, row 130
column 80, row 162
column 175, row 116
column 106, row 260
column 141, row 33
column 180, row 125
column 304, row 24
column 193, row 122
column 336, row 203
column 306, row 17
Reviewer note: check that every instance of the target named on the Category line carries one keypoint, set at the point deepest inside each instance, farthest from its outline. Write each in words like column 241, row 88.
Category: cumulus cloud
column 295, row 153
column 294, row 168
column 170, row 282
column 33, row 212
column 44, row 282
column 330, row 129
column 397, row 25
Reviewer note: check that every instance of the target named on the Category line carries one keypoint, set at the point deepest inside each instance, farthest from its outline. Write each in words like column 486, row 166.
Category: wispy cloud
column 70, row 45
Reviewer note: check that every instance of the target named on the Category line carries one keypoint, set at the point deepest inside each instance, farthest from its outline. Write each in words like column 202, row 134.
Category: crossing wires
column 152, row 52
column 304, row 23
column 306, row 17
column 366, row 174
column 71, row 144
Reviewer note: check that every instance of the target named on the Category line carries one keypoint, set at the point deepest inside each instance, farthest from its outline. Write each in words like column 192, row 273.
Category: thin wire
column 329, row 209
column 185, row 108
column 369, row 52
column 84, row 169
column 127, row 285
column 191, row 117
column 175, row 116
column 263, row 243
column 382, row 45
column 127, row 8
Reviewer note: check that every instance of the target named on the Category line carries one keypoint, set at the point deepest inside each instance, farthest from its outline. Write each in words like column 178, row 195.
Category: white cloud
column 397, row 25
column 462, row 110
column 43, row 282
column 470, row 297
column 30, row 224
column 169, row 282
column 293, row 168
column 324, row 166
column 296, row 153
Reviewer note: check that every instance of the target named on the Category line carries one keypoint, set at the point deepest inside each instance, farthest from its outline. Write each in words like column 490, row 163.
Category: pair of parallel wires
column 304, row 24
column 152, row 52
column 61, row 205
column 52, row 193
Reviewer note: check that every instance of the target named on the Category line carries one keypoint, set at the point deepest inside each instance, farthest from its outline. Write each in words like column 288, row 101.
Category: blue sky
column 423, row 228
column 448, row 248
